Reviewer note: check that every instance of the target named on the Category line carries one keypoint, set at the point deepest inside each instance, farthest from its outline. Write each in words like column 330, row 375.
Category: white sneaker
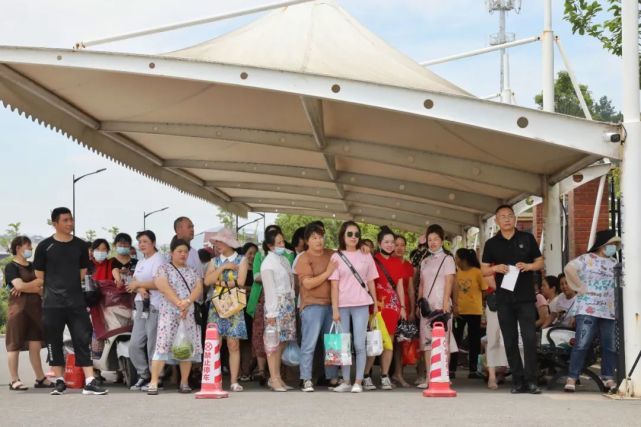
column 368, row 384
column 422, row 385
column 386, row 384
column 308, row 386
column 356, row 388
column 343, row 388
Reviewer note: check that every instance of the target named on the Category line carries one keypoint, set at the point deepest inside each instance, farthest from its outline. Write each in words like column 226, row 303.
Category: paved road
column 475, row 406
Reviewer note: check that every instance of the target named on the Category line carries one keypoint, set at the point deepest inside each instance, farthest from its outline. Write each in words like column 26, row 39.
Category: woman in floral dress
column 180, row 287
column 227, row 270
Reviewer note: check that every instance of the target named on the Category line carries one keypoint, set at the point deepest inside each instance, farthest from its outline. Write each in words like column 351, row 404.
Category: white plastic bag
column 271, row 339
column 374, row 343
column 291, row 355
column 182, row 348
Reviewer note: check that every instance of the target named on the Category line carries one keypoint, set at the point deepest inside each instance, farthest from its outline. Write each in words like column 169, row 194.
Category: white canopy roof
column 303, row 111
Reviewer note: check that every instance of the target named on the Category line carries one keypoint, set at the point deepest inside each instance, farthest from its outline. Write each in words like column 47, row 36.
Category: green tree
column 227, row 219
column 113, row 230
column 598, row 19
column 12, row 231
column 566, row 101
column 90, row 235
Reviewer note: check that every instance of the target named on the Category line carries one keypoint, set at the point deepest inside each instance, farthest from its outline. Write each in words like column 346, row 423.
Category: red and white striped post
column 212, row 380
column 439, row 385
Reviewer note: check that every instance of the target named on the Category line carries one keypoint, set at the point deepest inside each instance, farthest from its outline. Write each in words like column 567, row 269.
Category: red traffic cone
column 74, row 375
column 439, row 385
column 212, row 380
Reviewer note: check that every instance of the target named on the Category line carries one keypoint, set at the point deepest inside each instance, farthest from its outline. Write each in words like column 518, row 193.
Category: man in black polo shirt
column 61, row 261
column 511, row 247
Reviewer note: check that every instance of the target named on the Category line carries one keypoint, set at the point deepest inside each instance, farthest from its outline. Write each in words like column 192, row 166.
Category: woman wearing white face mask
column 24, row 320
column 122, row 265
column 592, row 276
column 280, row 305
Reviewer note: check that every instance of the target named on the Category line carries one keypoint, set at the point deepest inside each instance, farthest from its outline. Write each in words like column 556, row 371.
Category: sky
column 38, row 163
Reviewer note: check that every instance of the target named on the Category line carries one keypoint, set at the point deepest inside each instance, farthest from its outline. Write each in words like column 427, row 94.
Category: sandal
column 42, row 384
column 492, row 385
column 152, row 390
column 185, row 389
column 236, row 387
column 17, row 385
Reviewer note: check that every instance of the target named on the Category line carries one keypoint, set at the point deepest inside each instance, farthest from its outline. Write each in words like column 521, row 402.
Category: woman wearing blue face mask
column 592, row 276
column 123, row 265
column 24, row 320
column 280, row 305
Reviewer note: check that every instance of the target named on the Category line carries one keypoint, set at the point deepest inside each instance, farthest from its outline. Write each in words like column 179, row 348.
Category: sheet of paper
column 509, row 279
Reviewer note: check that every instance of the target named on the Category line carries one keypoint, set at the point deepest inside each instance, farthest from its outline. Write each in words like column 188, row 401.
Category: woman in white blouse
column 280, row 308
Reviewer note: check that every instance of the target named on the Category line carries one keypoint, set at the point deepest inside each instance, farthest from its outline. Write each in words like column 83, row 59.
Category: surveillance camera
column 612, row 137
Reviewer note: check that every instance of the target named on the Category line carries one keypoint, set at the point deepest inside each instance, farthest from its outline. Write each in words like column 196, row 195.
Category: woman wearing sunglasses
column 353, row 291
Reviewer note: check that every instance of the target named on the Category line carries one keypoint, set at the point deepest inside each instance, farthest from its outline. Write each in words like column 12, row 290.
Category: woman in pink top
column 438, row 272
column 352, row 294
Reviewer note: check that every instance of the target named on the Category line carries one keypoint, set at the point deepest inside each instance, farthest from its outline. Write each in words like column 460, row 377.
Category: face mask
column 27, row 253
column 384, row 252
column 280, row 251
column 610, row 250
column 99, row 256
column 122, row 250
column 438, row 251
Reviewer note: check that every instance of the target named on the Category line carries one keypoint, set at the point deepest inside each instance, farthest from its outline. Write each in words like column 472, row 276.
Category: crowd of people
column 291, row 294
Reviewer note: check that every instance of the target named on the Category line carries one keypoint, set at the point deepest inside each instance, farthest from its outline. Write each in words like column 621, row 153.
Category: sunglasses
column 353, row 234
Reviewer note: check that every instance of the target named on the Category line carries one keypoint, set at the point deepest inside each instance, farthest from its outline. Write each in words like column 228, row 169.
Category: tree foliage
column 289, row 223
column 598, row 19
column 566, row 101
column 227, row 219
column 90, row 235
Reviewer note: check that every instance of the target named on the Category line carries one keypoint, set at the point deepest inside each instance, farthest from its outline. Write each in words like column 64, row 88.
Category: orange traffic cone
column 439, row 385
column 74, row 375
column 212, row 380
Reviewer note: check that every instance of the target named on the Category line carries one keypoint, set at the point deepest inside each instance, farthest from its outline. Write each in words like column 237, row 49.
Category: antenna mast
column 502, row 37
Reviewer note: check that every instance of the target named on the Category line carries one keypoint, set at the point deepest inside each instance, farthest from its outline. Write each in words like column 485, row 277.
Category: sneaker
column 343, row 388
column 422, row 385
column 94, row 388
column 308, row 386
column 59, row 389
column 368, row 384
column 142, row 382
column 145, row 388
column 356, row 388
column 386, row 383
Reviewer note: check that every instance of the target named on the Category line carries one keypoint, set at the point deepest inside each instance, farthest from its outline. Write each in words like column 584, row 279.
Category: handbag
column 406, row 331
column 374, row 339
column 229, row 301
column 198, row 311
column 337, row 346
column 423, row 303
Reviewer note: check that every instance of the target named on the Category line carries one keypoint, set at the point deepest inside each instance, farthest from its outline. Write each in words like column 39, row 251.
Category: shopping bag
column 182, row 348
column 228, row 301
column 337, row 346
column 374, row 340
column 411, row 352
column 254, row 297
column 291, row 355
column 376, row 322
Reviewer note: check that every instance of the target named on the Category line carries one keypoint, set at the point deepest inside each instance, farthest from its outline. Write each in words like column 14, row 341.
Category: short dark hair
column 400, row 236
column 175, row 243
column 96, row 243
column 298, row 235
column 178, row 220
column 55, row 214
column 435, row 229
column 273, row 227
column 384, row 231
column 554, row 283
column 469, row 257
column 148, row 234
column 503, row 206
column 560, row 276
column 122, row 238
column 17, row 242
column 270, row 238
column 204, row 255
column 313, row 228
column 341, row 233
column 319, row 223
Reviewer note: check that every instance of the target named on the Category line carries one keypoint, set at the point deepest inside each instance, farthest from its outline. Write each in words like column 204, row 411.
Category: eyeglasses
column 353, row 234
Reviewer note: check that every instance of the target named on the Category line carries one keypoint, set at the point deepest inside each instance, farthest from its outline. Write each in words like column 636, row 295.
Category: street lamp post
column 262, row 216
column 146, row 214
column 73, row 208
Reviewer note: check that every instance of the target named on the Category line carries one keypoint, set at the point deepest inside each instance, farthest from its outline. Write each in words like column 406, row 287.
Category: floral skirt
column 286, row 318
column 231, row 327
column 258, row 346
column 168, row 321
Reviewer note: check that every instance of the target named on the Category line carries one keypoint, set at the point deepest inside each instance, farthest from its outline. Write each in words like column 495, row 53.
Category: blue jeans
column 315, row 321
column 359, row 316
column 586, row 328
